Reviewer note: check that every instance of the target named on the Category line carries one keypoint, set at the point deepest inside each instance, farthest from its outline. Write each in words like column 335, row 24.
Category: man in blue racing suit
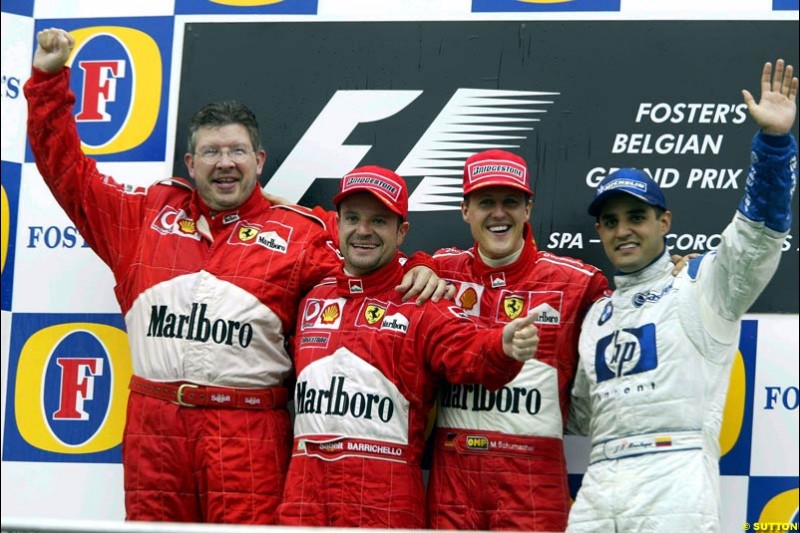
column 655, row 358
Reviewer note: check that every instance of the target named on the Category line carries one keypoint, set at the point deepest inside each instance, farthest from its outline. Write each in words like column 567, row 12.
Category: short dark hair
column 224, row 113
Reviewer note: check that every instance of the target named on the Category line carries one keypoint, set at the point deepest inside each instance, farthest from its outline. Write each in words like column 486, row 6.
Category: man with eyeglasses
column 209, row 280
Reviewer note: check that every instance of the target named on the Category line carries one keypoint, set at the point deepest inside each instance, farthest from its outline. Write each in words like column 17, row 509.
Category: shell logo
column 330, row 314
column 468, row 299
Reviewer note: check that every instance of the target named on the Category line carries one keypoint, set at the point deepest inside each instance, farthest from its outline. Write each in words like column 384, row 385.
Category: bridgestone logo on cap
column 374, row 182
column 623, row 182
column 491, row 169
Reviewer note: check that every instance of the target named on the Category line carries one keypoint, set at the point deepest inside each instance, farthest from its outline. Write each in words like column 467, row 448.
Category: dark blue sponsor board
column 61, row 382
column 120, row 76
column 489, row 6
column 737, row 461
column 571, row 145
column 786, row 5
column 207, row 7
column 18, row 7
column 773, row 500
column 11, row 177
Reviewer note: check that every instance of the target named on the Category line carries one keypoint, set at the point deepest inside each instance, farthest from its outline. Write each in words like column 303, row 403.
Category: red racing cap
column 381, row 182
column 495, row 168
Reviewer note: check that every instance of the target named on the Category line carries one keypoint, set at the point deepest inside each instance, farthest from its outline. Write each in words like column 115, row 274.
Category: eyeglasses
column 212, row 155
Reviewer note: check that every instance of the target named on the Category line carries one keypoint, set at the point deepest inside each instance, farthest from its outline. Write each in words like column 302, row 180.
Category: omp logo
column 69, row 389
column 477, row 119
column 626, row 351
column 477, row 443
column 117, row 75
column 544, row 5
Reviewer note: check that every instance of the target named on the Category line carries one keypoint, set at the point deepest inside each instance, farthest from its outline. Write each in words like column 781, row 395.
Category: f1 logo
column 625, row 352
column 77, row 385
column 439, row 190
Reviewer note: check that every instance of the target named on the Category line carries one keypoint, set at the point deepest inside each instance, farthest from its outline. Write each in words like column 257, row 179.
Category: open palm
column 776, row 111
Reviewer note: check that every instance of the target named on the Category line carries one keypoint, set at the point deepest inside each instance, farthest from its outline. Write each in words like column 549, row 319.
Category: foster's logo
column 67, row 389
column 119, row 76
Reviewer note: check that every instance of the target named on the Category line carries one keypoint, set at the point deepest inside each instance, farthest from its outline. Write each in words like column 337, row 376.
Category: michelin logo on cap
column 622, row 182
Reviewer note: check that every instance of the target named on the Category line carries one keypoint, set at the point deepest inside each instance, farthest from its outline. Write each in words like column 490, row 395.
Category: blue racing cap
column 632, row 181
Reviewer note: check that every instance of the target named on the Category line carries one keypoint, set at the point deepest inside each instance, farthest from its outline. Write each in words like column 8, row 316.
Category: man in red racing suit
column 498, row 458
column 208, row 281
column 367, row 367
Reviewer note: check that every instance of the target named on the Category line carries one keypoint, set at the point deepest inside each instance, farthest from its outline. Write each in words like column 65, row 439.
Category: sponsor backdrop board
column 576, row 87
column 574, row 98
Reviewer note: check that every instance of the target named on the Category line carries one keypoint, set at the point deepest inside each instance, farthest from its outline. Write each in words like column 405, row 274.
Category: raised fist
column 53, row 49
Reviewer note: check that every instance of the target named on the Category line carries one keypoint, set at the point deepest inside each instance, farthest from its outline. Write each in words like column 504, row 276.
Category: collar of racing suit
column 223, row 218
column 513, row 272
column 652, row 271
column 385, row 278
